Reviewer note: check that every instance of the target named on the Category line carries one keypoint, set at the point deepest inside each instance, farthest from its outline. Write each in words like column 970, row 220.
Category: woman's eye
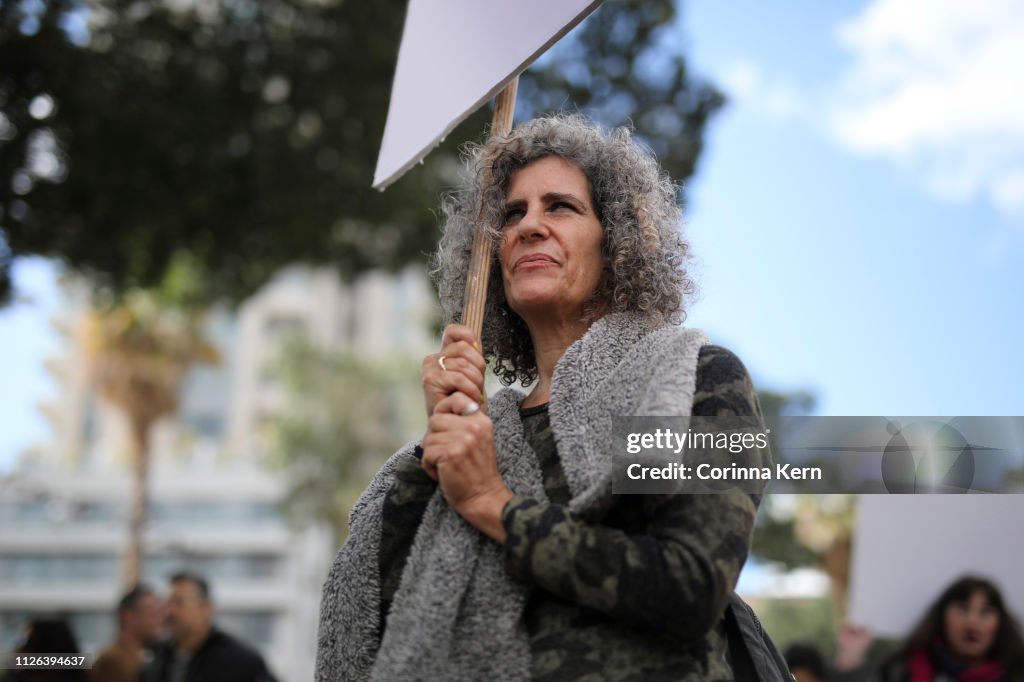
column 513, row 216
column 563, row 206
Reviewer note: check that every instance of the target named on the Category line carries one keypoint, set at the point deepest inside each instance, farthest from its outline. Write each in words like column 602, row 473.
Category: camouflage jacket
column 636, row 595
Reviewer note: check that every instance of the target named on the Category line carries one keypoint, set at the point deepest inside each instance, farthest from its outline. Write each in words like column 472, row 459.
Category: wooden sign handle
column 483, row 245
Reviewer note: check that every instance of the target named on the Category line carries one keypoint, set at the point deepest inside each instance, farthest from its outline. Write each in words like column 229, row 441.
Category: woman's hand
column 852, row 645
column 458, row 452
column 462, row 368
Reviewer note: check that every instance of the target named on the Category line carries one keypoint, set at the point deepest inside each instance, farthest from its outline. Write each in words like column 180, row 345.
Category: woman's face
column 971, row 626
column 550, row 253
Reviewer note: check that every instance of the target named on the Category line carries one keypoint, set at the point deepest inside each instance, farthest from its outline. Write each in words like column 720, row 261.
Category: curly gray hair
column 635, row 201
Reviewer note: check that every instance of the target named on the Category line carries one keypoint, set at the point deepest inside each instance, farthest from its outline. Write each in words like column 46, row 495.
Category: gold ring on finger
column 440, row 361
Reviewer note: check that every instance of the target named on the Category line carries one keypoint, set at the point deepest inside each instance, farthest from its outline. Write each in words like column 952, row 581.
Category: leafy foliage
column 624, row 67
column 345, row 415
column 799, row 620
column 245, row 132
column 775, row 535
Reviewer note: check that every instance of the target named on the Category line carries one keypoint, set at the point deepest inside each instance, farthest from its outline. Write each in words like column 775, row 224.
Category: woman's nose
column 532, row 226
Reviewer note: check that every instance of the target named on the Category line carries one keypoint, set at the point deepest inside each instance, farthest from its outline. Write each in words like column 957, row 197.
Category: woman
column 967, row 635
column 494, row 548
column 46, row 636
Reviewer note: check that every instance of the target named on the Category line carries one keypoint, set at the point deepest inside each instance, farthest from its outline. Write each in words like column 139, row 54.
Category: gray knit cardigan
column 457, row 614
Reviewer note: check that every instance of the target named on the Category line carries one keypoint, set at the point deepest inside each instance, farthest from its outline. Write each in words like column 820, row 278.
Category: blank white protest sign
column 455, row 55
column 909, row 548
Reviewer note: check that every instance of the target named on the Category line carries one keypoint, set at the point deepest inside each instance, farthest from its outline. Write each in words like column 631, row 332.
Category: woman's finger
column 439, row 371
column 433, row 445
column 459, row 332
column 457, row 375
column 463, row 365
column 457, row 403
column 466, row 351
column 437, row 445
column 458, row 367
column 429, row 461
column 445, row 384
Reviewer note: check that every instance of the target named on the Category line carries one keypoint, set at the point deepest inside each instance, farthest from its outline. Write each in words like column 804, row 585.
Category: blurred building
column 214, row 503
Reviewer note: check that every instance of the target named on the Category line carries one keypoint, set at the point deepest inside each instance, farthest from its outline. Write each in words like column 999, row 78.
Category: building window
column 38, row 569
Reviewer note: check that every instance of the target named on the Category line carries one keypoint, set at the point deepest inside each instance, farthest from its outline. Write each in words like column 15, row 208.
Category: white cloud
column 938, row 86
column 1008, row 191
column 741, row 79
column 745, row 83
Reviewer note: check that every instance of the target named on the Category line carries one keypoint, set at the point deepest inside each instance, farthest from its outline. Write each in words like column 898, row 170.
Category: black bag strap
column 755, row 657
column 742, row 667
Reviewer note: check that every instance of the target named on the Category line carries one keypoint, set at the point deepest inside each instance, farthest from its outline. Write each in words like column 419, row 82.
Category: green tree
column 799, row 620
column 246, row 131
column 775, row 538
column 1013, row 480
column 345, row 415
column 794, row 531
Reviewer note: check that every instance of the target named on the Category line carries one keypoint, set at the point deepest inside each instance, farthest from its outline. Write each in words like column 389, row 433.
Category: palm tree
column 140, row 348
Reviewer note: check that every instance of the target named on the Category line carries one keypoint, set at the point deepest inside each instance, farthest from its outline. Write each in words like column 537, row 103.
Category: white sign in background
column 909, row 548
column 455, row 55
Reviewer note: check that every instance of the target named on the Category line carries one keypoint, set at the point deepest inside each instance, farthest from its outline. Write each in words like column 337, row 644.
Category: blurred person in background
column 806, row 662
column 198, row 651
column 140, row 625
column 494, row 547
column 966, row 635
column 47, row 636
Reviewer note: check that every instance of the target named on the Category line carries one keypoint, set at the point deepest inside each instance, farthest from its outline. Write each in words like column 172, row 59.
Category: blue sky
column 858, row 214
column 27, row 337
column 876, row 270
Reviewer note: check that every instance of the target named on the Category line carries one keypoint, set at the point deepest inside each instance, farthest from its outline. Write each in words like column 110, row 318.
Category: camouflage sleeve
column 404, row 505
column 676, row 573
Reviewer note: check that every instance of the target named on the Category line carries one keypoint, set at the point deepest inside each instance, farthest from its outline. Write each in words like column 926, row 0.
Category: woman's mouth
column 534, row 260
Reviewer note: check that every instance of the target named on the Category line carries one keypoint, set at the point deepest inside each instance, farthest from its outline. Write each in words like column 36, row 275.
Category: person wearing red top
column 967, row 635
